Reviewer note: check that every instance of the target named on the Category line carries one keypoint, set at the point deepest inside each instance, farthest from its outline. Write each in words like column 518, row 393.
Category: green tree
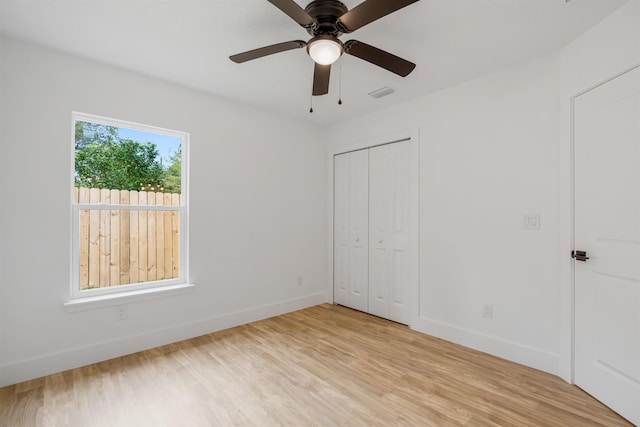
column 86, row 133
column 118, row 165
column 105, row 160
column 172, row 173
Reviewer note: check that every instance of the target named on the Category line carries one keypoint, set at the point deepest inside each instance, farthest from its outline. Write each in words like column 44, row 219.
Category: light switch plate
column 531, row 221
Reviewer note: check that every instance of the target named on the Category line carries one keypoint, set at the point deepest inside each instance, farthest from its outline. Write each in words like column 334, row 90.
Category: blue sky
column 167, row 145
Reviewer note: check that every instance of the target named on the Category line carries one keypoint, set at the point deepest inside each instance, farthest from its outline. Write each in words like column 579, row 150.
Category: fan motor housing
column 326, row 14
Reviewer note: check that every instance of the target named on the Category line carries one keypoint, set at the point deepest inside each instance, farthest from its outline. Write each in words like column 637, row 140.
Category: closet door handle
column 357, row 239
column 379, row 240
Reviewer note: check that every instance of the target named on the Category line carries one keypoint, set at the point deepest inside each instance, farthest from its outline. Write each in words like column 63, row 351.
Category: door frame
column 411, row 135
column 568, row 355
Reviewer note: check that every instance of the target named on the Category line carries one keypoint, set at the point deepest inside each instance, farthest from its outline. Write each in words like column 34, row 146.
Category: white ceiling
column 189, row 42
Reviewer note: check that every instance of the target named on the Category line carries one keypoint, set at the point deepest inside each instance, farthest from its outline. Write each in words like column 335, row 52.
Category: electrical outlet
column 121, row 312
column 487, row 311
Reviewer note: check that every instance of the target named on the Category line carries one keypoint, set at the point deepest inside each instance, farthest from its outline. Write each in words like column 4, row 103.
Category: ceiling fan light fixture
column 324, row 49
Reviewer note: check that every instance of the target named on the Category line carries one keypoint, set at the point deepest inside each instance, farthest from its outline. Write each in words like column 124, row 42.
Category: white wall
column 257, row 212
column 492, row 150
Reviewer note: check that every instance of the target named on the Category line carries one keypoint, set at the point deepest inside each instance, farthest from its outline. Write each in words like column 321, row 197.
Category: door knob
column 579, row 255
column 357, row 239
column 379, row 240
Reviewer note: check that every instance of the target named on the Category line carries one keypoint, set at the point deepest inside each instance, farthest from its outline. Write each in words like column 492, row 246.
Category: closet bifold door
column 389, row 234
column 351, row 229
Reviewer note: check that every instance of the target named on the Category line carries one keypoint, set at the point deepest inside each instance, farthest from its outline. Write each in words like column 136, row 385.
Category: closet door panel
column 342, row 233
column 379, row 210
column 399, row 287
column 400, row 232
column 389, row 206
column 379, row 282
column 359, row 230
column 351, row 230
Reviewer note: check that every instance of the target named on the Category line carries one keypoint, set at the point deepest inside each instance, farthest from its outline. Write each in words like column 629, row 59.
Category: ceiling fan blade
column 379, row 57
column 368, row 11
column 295, row 12
column 321, row 75
column 267, row 50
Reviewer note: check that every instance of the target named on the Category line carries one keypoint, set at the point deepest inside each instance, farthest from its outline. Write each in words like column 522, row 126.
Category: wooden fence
column 119, row 247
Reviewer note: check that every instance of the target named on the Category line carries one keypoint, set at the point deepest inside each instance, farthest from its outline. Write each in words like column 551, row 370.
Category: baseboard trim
column 509, row 350
column 24, row 370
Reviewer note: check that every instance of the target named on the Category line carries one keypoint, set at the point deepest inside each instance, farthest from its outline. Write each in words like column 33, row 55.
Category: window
column 129, row 207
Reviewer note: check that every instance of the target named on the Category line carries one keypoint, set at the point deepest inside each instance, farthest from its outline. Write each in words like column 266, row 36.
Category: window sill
column 89, row 303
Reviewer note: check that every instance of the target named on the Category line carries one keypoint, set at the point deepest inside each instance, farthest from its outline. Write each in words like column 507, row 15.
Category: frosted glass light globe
column 325, row 51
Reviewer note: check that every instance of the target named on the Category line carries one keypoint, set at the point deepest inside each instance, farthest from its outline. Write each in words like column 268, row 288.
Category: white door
column 351, row 229
column 607, row 228
column 389, row 260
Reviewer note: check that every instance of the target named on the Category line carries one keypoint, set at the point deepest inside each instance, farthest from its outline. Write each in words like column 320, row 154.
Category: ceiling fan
column 325, row 21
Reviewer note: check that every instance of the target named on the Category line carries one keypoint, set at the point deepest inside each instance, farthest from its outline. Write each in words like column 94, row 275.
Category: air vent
column 383, row 91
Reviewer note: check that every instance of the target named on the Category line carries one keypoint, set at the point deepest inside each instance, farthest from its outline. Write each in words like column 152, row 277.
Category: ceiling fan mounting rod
column 326, row 14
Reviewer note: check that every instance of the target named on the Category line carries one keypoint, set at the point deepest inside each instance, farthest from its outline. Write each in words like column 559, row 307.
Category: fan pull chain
column 340, row 84
column 311, row 97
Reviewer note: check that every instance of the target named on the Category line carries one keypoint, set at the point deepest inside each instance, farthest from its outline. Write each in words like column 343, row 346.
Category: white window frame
column 134, row 291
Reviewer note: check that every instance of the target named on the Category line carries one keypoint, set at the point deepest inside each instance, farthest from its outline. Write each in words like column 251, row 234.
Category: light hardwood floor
column 325, row 366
